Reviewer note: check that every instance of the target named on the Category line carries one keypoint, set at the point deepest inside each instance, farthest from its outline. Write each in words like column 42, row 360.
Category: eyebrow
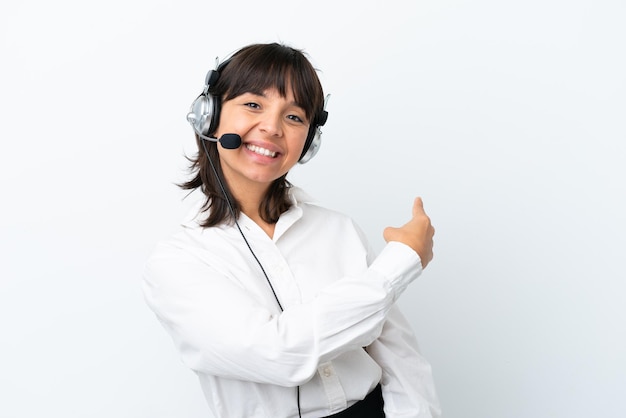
column 262, row 94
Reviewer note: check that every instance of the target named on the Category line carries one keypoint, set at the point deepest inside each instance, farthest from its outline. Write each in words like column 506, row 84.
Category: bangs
column 258, row 68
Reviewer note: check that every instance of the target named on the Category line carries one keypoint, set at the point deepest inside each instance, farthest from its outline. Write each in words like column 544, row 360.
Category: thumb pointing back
column 418, row 207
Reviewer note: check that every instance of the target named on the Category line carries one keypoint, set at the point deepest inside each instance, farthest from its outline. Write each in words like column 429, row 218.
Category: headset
column 204, row 117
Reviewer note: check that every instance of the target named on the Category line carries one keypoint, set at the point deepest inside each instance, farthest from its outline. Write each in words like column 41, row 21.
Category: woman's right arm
column 222, row 328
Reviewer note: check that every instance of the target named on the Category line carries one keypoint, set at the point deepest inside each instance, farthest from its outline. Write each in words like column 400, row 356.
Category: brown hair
column 254, row 69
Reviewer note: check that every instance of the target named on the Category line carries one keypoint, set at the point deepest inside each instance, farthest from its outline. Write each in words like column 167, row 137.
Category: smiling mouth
column 261, row 151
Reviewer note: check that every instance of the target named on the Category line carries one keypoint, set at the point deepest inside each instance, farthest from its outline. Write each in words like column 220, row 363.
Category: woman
column 276, row 303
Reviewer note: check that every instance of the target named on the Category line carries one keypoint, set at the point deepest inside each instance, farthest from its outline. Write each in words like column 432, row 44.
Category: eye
column 252, row 105
column 295, row 118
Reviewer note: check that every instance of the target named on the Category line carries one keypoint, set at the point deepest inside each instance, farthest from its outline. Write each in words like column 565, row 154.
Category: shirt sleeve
column 223, row 329
column 407, row 381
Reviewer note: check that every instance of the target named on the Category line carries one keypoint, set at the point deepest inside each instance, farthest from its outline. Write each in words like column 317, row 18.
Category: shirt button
column 327, row 372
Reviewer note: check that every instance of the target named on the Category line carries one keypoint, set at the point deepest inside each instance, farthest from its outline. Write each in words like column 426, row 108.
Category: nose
column 271, row 124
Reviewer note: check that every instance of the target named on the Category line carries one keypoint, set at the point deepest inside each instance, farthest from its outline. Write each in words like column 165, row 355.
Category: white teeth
column 261, row 151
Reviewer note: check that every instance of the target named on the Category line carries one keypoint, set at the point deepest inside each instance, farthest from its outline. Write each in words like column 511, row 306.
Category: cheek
column 300, row 140
column 226, row 125
column 296, row 150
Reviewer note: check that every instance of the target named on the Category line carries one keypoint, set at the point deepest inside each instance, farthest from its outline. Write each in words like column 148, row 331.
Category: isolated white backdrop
column 507, row 117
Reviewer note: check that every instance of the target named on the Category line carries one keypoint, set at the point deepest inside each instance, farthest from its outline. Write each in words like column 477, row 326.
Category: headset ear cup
column 312, row 145
column 202, row 114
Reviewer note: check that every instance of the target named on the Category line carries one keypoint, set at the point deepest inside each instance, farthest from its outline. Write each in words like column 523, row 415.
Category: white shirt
column 211, row 296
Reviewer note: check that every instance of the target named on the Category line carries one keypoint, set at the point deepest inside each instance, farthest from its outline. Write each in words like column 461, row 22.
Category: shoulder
column 313, row 208
column 320, row 217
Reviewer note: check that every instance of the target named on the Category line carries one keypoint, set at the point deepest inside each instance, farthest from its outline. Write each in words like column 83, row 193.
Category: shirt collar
column 296, row 196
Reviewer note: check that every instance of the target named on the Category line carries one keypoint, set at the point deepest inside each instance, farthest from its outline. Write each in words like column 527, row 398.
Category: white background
column 507, row 117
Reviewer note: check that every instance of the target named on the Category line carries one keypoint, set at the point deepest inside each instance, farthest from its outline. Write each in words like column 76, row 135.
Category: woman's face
column 273, row 130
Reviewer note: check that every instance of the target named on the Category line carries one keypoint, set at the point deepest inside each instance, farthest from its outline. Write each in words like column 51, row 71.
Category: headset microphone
column 198, row 119
column 228, row 141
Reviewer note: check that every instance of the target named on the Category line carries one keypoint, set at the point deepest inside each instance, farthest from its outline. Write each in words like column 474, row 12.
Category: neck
column 250, row 200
